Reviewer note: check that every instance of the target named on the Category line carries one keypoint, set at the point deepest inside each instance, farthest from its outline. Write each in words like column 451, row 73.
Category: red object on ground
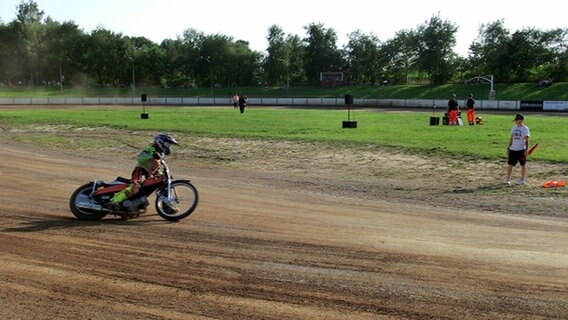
column 531, row 150
column 553, row 183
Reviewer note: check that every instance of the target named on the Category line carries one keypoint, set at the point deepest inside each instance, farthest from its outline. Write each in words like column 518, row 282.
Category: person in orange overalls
column 470, row 103
column 453, row 111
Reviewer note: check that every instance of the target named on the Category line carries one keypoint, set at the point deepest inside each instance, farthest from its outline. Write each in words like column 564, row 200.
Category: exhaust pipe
column 91, row 206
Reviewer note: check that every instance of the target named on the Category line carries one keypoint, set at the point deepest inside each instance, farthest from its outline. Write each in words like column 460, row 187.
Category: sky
column 249, row 20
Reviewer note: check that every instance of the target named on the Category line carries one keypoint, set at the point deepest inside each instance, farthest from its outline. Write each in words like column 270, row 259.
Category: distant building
column 334, row 79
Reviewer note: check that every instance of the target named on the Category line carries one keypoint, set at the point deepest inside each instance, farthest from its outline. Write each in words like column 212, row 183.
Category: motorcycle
column 175, row 199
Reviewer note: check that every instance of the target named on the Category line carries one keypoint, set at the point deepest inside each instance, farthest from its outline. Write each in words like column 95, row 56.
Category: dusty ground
column 283, row 231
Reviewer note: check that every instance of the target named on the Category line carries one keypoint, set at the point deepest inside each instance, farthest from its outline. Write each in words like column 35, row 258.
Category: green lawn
column 404, row 130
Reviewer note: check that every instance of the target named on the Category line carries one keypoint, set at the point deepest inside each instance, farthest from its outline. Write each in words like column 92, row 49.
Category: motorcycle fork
column 95, row 184
column 169, row 197
column 169, row 188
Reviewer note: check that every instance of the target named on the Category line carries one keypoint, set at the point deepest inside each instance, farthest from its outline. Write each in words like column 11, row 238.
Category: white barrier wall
column 437, row 104
column 555, row 105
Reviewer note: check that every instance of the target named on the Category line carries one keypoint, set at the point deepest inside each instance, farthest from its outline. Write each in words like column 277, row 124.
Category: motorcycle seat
column 122, row 179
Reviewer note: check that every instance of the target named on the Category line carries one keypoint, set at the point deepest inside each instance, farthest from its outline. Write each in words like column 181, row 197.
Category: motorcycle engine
column 136, row 203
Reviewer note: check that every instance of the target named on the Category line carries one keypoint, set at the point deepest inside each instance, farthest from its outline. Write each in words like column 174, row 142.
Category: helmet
column 163, row 141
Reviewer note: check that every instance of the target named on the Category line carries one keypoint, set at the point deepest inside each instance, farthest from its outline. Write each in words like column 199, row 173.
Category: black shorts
column 517, row 156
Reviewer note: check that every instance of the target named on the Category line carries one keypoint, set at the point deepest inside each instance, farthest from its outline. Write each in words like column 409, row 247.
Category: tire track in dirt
column 260, row 247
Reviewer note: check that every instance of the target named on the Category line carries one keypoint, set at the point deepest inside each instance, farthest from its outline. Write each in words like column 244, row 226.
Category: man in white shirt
column 517, row 149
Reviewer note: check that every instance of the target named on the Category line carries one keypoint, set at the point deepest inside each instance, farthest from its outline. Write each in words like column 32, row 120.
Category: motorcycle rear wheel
column 184, row 201
column 82, row 194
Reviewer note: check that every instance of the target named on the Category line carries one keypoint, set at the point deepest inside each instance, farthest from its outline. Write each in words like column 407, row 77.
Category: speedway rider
column 148, row 164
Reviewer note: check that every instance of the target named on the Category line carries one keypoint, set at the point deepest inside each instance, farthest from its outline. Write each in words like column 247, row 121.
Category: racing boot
column 115, row 202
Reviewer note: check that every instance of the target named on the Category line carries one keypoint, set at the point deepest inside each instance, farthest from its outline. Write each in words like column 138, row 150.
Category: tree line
column 40, row 51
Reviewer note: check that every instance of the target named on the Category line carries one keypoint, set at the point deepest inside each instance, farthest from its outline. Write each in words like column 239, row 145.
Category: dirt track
column 277, row 240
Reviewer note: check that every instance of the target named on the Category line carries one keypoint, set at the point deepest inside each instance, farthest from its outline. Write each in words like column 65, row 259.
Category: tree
column 435, row 42
column 488, row 53
column 34, row 50
column 182, row 58
column 296, row 64
column 556, row 66
column 29, row 29
column 397, row 57
column 109, row 58
column 321, row 53
column 62, row 51
column 149, row 62
column 528, row 52
column 363, row 58
column 560, row 71
column 216, row 66
column 10, row 69
column 534, row 53
column 277, row 62
column 226, row 62
column 172, row 60
column 246, row 65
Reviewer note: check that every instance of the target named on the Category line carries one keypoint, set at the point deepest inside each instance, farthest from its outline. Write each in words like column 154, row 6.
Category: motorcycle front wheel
column 82, row 205
column 183, row 201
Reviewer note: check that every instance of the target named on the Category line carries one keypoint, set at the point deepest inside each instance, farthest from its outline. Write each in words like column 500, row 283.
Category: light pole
column 208, row 59
column 60, row 75
column 287, row 74
column 491, row 90
column 210, row 75
column 133, row 80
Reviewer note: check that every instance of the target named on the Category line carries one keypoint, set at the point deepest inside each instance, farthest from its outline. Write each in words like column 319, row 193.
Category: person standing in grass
column 235, row 100
column 517, row 149
column 453, row 111
column 243, row 100
column 470, row 103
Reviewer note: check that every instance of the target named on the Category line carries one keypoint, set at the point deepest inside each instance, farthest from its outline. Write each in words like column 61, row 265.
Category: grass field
column 392, row 129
